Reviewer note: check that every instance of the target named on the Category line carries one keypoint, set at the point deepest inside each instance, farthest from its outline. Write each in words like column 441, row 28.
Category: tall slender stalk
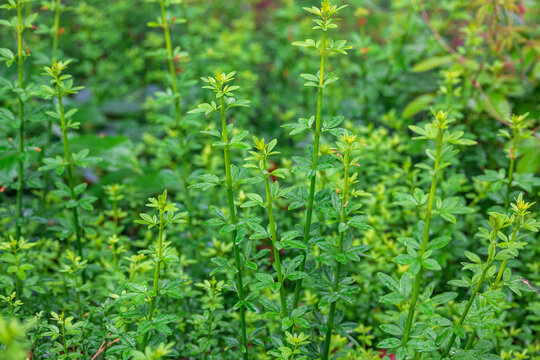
column 425, row 237
column 69, row 167
column 232, row 214
column 155, row 285
column 224, row 91
column 511, row 167
column 177, row 109
column 167, row 216
column 316, row 141
column 277, row 260
column 474, row 292
column 517, row 221
column 497, row 282
column 20, row 169
column 56, row 28
column 325, row 20
column 398, row 54
column 337, row 273
column 264, row 150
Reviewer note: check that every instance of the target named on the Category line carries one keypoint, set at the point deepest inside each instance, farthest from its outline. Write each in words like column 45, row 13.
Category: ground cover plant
column 269, row 179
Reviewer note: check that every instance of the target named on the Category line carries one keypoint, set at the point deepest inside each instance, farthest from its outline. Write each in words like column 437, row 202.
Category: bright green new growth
column 65, row 335
column 324, row 21
column 13, row 339
column 15, row 253
column 294, row 343
column 75, row 265
column 167, row 214
column 517, row 221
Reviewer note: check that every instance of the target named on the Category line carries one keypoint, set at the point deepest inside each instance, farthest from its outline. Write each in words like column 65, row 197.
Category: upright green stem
column 20, row 60
column 155, row 287
column 64, row 340
column 425, row 238
column 76, row 280
column 209, row 332
column 277, row 261
column 115, row 216
column 309, row 212
column 503, row 265
column 398, row 53
column 471, row 298
column 71, row 182
column 170, row 58
column 472, row 338
column 511, row 169
column 177, row 109
column 17, row 279
column 232, row 211
column 337, row 274
column 500, row 274
column 115, row 257
column 56, row 28
column 495, row 286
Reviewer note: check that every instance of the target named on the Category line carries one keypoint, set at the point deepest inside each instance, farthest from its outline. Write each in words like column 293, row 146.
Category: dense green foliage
column 269, row 179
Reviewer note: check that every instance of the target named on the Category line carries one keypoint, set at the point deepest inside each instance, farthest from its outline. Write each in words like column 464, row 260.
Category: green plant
column 261, row 224
column 324, row 21
column 57, row 7
column 159, row 352
column 12, row 339
column 208, row 322
column 224, row 92
column 19, row 25
column 259, row 159
column 161, row 253
column 293, row 349
column 510, row 249
column 115, row 193
column 346, row 216
column 173, row 96
column 75, row 266
column 420, row 249
column 66, row 336
column 62, row 85
column 518, row 221
column 15, row 253
column 13, row 304
column 56, row 27
column 518, row 125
